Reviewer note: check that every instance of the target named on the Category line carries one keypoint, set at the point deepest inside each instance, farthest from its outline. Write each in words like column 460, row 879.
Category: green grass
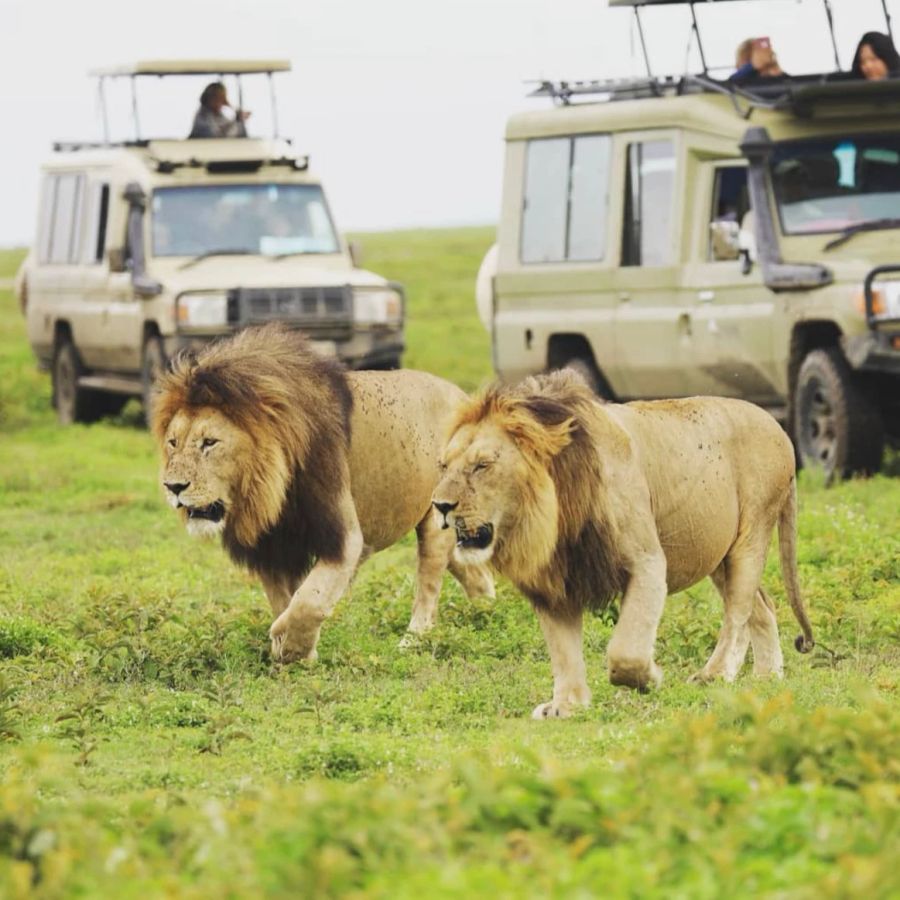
column 148, row 747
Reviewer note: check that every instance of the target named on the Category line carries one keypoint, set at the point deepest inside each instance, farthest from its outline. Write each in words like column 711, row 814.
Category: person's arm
column 745, row 71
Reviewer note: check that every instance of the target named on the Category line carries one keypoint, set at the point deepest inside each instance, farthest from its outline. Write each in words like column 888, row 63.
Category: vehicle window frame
column 809, row 140
column 97, row 221
column 629, row 140
column 71, row 238
column 705, row 252
column 603, row 218
column 149, row 223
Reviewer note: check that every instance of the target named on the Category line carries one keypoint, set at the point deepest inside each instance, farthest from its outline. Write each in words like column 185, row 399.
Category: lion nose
column 443, row 507
column 176, row 487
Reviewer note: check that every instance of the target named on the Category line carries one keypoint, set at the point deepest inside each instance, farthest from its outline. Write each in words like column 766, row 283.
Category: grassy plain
column 149, row 748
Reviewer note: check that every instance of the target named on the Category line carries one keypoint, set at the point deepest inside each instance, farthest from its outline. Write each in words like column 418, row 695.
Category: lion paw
column 639, row 674
column 553, row 709
column 412, row 640
column 290, row 643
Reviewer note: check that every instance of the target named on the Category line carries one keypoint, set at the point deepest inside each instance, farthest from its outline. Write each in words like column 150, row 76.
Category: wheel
column 73, row 403
column 153, row 364
column 837, row 427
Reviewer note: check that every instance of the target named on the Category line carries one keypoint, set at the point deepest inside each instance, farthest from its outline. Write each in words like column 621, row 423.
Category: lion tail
column 787, row 548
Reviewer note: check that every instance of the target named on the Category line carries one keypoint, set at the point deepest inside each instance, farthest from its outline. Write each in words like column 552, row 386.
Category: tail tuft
column 803, row 644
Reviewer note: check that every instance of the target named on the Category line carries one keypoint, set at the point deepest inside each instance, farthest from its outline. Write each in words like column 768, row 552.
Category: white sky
column 401, row 103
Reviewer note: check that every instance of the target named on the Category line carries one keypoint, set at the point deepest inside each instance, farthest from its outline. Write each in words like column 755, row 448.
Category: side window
column 731, row 203
column 98, row 213
column 45, row 224
column 65, row 230
column 649, row 183
column 565, row 203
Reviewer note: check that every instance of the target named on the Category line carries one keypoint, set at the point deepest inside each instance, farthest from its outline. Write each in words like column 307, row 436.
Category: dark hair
column 210, row 91
column 882, row 46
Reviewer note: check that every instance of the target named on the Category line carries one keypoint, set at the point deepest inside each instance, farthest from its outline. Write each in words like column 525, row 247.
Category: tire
column 837, row 427
column 153, row 364
column 73, row 403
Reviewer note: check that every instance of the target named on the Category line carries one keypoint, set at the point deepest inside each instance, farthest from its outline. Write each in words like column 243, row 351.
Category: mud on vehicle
column 149, row 246
column 679, row 236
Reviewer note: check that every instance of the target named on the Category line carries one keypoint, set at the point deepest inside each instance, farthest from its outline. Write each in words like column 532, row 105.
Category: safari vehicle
column 148, row 246
column 680, row 236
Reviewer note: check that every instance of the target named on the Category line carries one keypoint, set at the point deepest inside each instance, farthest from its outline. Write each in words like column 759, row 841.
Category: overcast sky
column 401, row 103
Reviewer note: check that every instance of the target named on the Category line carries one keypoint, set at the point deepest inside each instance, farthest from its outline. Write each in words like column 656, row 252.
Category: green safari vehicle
column 680, row 236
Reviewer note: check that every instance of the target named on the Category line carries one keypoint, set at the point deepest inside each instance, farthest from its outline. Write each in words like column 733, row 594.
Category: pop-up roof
column 161, row 67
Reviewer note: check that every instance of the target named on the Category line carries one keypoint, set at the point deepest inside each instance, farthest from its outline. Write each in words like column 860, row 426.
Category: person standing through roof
column 754, row 59
column 211, row 122
column 876, row 58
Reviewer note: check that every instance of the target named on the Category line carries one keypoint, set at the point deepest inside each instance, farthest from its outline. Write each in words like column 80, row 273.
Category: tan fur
column 312, row 468
column 587, row 501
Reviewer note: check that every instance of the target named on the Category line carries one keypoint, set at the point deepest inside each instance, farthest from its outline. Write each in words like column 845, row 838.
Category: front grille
column 323, row 311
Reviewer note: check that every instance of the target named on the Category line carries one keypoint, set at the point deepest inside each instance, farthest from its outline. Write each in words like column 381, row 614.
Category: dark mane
column 295, row 405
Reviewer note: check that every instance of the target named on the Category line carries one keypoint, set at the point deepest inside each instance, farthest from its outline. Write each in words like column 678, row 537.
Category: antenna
column 837, row 59
column 637, row 18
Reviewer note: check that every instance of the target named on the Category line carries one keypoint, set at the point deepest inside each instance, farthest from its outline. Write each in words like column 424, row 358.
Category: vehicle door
column 733, row 313
column 555, row 267
column 55, row 283
column 112, row 314
column 652, row 325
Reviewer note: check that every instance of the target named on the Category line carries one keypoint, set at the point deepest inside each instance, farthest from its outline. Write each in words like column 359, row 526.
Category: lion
column 303, row 469
column 579, row 502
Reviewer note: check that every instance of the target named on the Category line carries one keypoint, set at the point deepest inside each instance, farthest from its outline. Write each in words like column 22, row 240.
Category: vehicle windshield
column 832, row 184
column 266, row 219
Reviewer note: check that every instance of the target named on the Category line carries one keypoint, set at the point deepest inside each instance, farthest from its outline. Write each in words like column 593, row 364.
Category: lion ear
column 542, row 425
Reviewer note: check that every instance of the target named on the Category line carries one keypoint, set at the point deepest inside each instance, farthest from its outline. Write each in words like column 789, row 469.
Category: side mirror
column 116, row 258
column 724, row 235
column 356, row 254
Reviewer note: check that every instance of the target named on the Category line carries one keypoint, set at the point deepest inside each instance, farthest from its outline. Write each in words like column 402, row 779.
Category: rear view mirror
column 116, row 258
column 724, row 239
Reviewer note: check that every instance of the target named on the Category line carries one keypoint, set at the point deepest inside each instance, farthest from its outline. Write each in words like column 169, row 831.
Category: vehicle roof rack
column 800, row 96
column 163, row 67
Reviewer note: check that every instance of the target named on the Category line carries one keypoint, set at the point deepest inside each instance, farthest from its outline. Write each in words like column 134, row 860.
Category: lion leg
column 630, row 650
column 295, row 632
column 435, row 546
column 279, row 589
column 767, row 657
column 563, row 634
column 743, row 567
column 476, row 580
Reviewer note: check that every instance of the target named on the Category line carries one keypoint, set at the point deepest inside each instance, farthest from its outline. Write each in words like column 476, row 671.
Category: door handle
column 706, row 296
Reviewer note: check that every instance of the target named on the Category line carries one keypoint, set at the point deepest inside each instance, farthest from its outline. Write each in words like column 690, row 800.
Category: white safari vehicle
column 148, row 246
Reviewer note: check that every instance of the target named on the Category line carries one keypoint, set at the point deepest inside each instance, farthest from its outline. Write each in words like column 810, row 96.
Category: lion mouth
column 479, row 539
column 215, row 512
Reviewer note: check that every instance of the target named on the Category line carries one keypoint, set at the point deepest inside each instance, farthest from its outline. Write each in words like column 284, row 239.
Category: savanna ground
column 149, row 747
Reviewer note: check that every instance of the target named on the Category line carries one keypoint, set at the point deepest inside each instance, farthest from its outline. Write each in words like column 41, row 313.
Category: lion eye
column 173, row 442
column 442, row 466
column 206, row 443
column 479, row 466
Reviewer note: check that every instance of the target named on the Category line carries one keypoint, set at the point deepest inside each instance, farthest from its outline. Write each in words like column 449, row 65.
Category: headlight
column 202, row 310
column 381, row 306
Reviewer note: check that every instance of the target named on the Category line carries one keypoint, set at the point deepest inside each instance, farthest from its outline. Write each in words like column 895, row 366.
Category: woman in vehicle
column 876, row 57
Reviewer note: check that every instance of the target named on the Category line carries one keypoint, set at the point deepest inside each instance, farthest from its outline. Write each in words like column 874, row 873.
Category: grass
column 149, row 747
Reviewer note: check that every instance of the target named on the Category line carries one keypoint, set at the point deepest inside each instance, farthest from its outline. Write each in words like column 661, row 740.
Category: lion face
column 202, row 468
column 488, row 483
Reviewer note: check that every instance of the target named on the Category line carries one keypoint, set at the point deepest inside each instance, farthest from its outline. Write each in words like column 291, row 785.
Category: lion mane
column 564, row 548
column 295, row 406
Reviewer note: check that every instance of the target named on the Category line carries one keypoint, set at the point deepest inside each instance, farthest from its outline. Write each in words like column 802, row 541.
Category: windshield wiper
column 873, row 225
column 235, row 252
